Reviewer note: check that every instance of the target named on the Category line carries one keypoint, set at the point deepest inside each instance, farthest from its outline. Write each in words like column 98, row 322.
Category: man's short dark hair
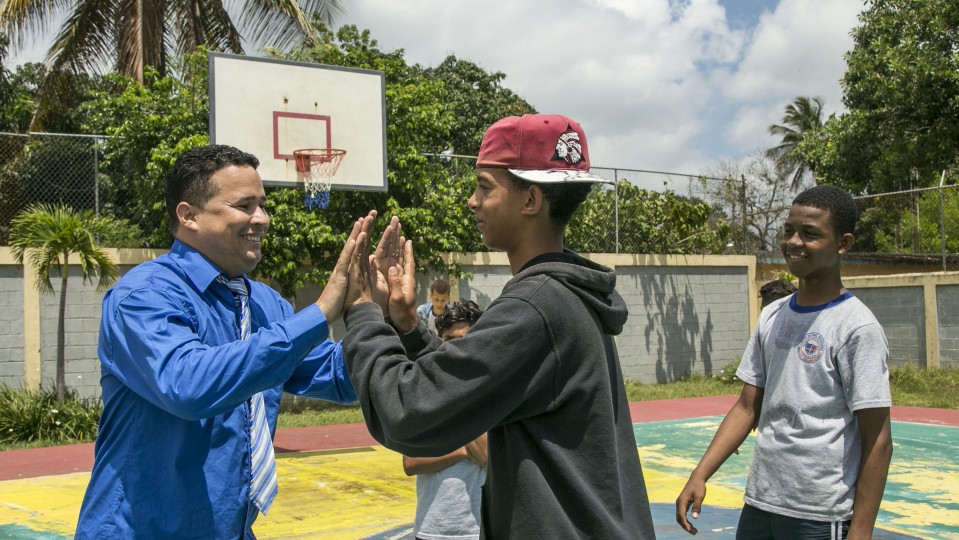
column 462, row 310
column 189, row 179
column 842, row 208
column 440, row 286
column 776, row 289
column 563, row 197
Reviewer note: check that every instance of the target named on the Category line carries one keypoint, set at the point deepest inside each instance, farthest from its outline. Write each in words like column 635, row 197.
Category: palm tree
column 802, row 116
column 140, row 33
column 48, row 235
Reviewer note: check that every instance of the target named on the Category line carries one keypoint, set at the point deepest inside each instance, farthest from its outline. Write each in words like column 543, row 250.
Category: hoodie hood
column 594, row 283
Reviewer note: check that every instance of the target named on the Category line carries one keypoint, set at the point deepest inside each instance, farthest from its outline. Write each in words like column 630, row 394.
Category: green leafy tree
column 901, row 90
column 149, row 125
column 802, row 118
column 918, row 228
column 48, row 236
column 477, row 99
column 137, row 35
column 650, row 222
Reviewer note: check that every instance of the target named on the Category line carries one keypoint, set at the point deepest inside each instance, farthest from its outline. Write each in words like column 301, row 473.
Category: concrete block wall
column 11, row 326
column 682, row 321
column 81, row 335
column 947, row 302
column 900, row 312
column 688, row 315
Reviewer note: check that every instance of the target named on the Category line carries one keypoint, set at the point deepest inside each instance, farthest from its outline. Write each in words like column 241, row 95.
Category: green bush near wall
column 30, row 417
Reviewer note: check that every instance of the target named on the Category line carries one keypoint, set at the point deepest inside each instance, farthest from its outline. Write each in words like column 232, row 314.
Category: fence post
column 942, row 219
column 742, row 234
column 616, row 204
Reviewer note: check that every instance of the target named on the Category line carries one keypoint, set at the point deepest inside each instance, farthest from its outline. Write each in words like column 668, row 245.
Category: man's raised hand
column 332, row 298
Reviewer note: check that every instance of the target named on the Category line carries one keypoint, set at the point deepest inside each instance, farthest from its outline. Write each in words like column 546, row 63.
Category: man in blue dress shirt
column 185, row 362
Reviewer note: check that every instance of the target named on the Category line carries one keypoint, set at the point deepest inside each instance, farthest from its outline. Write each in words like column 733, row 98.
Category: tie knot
column 237, row 286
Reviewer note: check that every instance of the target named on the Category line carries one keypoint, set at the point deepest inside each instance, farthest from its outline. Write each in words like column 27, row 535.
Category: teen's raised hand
column 387, row 254
column 402, row 281
column 332, row 298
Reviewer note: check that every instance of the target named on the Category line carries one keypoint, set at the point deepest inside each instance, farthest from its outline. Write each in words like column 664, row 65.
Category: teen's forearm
column 733, row 430
column 477, row 451
column 873, row 469
column 413, row 466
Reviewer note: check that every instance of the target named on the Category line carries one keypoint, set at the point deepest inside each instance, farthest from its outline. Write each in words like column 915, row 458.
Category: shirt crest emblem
column 811, row 347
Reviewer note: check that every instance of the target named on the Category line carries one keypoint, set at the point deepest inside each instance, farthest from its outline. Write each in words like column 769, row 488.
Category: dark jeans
column 755, row 524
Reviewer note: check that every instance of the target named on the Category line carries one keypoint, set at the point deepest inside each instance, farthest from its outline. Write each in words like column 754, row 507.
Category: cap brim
column 559, row 176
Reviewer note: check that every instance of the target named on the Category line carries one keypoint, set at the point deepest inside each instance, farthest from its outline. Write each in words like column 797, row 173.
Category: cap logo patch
column 568, row 148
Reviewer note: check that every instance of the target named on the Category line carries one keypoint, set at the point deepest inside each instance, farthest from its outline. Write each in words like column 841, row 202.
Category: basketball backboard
column 270, row 108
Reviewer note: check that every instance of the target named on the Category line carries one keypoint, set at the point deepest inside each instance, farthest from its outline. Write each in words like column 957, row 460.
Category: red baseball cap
column 539, row 148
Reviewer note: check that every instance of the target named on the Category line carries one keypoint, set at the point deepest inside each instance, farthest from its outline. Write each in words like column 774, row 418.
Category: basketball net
column 318, row 166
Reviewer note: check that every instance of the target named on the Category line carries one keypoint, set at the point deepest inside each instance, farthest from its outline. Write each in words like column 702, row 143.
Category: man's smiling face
column 231, row 225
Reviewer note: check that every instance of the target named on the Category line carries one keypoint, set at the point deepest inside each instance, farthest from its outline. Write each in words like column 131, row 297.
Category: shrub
column 728, row 374
column 27, row 417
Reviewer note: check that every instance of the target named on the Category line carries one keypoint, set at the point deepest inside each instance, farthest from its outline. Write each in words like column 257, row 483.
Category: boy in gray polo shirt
column 817, row 380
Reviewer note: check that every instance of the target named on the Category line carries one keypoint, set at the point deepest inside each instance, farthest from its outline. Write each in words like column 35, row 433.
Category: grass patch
column 916, row 387
column 312, row 412
column 31, row 420
column 721, row 384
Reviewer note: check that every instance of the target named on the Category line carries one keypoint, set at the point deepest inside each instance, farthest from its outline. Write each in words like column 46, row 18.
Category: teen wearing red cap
column 539, row 371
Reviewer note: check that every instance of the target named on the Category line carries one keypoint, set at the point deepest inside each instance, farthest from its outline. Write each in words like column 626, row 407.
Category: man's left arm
column 323, row 375
column 874, row 430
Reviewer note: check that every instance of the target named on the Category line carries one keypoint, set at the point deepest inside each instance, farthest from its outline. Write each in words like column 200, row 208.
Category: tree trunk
column 61, row 333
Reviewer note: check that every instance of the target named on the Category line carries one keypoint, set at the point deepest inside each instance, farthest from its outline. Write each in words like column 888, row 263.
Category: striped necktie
column 263, row 486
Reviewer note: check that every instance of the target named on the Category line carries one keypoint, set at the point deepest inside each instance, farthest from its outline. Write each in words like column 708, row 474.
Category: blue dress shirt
column 172, row 457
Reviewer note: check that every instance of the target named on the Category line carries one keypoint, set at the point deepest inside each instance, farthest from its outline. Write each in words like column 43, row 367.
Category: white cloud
column 672, row 85
column 796, row 51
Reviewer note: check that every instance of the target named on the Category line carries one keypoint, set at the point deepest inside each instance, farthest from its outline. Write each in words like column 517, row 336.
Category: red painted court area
column 54, row 460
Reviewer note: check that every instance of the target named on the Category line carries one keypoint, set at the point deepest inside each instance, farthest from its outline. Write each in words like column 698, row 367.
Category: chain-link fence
column 905, row 231
column 47, row 169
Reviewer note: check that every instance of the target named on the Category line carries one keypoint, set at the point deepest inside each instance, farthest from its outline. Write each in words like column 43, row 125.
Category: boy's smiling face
column 810, row 244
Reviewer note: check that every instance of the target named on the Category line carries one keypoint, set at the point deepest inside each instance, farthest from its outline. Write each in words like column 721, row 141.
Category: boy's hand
column 394, row 276
column 332, row 298
column 692, row 498
column 387, row 254
column 402, row 280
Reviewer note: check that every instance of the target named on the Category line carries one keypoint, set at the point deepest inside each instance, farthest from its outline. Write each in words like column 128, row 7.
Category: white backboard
column 270, row 108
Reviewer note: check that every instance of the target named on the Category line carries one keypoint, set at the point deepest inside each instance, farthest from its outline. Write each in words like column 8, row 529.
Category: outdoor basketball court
column 361, row 492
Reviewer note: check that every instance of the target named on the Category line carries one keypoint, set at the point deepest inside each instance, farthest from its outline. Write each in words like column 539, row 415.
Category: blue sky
column 669, row 85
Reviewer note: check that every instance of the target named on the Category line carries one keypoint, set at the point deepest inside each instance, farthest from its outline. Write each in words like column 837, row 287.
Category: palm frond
column 262, row 19
column 24, row 20
column 47, row 235
column 205, row 22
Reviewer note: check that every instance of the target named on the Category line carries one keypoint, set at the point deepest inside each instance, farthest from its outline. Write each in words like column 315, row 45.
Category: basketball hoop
column 318, row 165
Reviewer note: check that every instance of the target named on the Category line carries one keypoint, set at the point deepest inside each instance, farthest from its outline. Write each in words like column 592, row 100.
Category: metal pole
column 742, row 234
column 616, row 204
column 942, row 219
column 96, row 176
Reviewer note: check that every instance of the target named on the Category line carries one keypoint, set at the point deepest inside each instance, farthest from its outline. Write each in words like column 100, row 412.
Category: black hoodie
column 540, row 373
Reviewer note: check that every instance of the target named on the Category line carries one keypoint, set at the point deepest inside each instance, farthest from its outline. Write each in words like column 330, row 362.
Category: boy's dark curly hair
column 461, row 311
